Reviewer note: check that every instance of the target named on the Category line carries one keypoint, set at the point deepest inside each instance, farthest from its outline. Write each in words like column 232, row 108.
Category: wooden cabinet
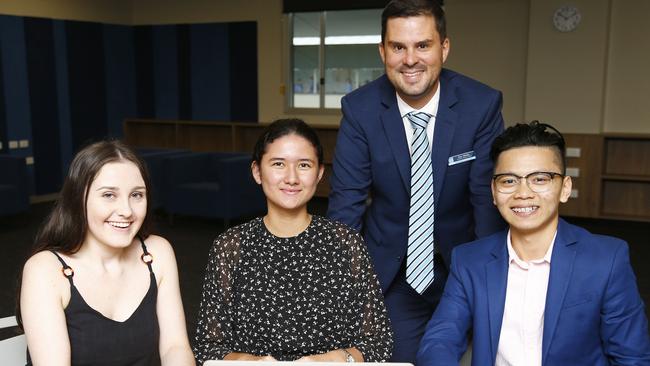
column 614, row 176
column 217, row 136
column 626, row 177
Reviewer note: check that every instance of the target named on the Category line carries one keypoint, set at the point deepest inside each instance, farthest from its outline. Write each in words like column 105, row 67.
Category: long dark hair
column 65, row 229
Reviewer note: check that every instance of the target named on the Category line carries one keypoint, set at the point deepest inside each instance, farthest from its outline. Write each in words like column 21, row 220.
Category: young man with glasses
column 543, row 292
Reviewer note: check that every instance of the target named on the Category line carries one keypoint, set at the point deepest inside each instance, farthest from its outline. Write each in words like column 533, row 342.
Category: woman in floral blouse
column 290, row 285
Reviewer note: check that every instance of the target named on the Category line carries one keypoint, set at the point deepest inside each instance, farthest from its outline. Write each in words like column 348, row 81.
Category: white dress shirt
column 522, row 328
column 431, row 108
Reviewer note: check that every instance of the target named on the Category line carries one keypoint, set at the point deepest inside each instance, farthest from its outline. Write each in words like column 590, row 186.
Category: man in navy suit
column 544, row 292
column 371, row 178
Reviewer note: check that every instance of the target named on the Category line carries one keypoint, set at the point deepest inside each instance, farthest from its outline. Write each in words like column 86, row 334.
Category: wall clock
column 566, row 18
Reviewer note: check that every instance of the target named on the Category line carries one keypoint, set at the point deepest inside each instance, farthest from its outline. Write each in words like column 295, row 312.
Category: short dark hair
column 411, row 8
column 284, row 127
column 534, row 133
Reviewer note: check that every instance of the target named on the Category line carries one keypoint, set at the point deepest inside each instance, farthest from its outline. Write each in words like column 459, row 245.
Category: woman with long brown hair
column 99, row 289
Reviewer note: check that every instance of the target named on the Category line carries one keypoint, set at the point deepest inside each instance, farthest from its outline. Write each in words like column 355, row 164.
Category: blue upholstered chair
column 217, row 185
column 14, row 190
column 154, row 159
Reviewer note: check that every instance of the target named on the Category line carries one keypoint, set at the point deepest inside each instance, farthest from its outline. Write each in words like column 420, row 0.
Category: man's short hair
column 530, row 134
column 411, row 8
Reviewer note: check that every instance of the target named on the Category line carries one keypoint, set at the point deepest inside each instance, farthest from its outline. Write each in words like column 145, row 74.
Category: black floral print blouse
column 291, row 297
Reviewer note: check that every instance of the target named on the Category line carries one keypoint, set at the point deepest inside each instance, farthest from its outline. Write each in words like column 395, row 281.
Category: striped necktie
column 419, row 255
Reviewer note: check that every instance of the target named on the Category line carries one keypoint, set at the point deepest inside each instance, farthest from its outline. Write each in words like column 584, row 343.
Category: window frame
column 288, row 86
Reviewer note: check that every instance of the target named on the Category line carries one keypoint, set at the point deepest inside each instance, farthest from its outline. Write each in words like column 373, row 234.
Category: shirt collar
column 431, row 107
column 512, row 254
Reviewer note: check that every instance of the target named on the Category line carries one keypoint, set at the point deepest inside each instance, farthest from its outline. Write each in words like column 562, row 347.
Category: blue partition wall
column 44, row 118
column 3, row 108
column 15, row 85
column 64, row 83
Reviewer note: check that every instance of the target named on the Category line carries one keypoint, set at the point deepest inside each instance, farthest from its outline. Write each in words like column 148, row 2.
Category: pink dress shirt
column 522, row 328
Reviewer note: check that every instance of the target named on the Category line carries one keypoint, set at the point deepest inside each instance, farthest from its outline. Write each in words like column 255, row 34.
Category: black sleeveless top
column 98, row 340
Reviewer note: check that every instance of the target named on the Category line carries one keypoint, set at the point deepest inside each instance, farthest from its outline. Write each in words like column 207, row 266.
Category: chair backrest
column 12, row 350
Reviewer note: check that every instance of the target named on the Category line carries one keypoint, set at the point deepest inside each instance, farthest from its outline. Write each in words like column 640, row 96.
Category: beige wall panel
column 489, row 42
column 566, row 71
column 627, row 102
column 106, row 11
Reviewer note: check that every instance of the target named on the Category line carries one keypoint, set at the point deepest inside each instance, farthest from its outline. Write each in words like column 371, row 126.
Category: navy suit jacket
column 372, row 158
column 593, row 316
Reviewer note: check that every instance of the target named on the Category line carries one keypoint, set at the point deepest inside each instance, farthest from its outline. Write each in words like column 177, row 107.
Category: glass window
column 342, row 46
column 305, row 60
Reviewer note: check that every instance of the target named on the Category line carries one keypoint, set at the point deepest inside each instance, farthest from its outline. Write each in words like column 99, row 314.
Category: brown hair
column 65, row 229
column 412, row 8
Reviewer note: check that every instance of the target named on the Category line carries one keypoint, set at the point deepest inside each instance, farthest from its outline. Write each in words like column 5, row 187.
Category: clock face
column 566, row 18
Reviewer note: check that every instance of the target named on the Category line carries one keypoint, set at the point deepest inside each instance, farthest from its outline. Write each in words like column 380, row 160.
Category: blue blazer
column 372, row 159
column 593, row 316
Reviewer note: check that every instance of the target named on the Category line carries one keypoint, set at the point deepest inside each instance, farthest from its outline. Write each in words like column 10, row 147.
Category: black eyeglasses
column 538, row 182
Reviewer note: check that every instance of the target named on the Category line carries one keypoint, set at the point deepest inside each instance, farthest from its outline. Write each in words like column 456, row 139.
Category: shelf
column 625, row 136
column 626, row 178
column 625, row 217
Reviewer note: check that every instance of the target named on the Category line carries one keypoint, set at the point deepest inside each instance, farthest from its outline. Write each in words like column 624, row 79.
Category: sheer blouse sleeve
column 375, row 337
column 214, row 326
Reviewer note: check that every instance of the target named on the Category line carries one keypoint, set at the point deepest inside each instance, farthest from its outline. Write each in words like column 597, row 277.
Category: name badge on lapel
column 461, row 158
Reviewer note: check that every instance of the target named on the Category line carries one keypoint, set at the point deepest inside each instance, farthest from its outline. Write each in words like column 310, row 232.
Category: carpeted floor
column 192, row 237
